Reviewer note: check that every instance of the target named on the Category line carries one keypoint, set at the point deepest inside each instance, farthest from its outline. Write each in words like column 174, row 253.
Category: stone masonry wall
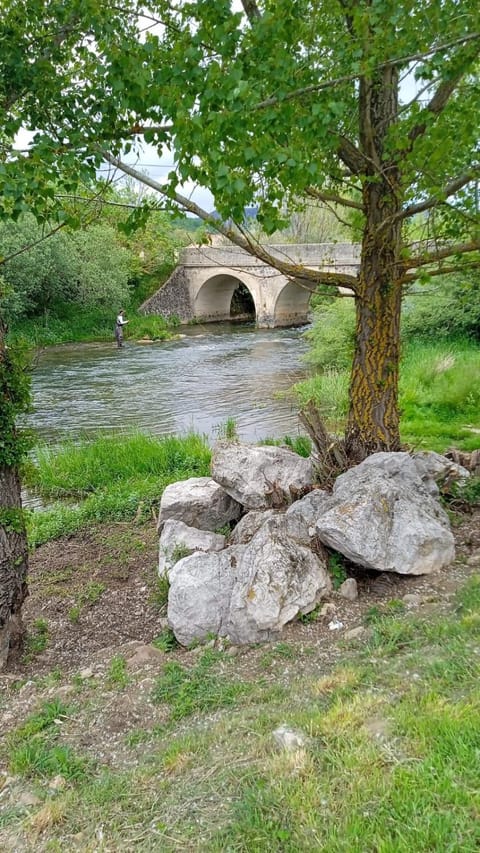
column 173, row 299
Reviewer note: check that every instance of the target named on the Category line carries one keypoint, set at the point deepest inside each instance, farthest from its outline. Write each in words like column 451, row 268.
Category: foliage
column 443, row 308
column 14, row 400
column 336, row 567
column 166, row 641
column 36, row 640
column 332, row 335
column 87, row 267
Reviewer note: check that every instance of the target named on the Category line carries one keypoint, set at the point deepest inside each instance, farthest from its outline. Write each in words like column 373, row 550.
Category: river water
column 215, row 372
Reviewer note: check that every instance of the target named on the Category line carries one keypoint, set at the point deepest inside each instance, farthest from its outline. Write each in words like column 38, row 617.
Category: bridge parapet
column 344, row 255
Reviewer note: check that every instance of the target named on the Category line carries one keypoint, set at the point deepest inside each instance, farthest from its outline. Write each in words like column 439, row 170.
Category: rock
column 288, row 739
column 199, row 502
column 412, row 599
column 381, row 516
column 474, row 559
column 349, row 589
column 261, row 477
column 433, row 466
column 28, row 798
column 355, row 633
column 246, row 592
column 179, row 540
column 249, row 525
column 302, row 515
column 199, row 594
column 328, row 610
column 276, row 579
column 58, row 783
column 86, row 673
column 335, row 625
column 145, row 654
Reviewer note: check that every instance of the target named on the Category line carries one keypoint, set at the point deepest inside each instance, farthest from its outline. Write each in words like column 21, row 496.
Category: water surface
column 215, row 372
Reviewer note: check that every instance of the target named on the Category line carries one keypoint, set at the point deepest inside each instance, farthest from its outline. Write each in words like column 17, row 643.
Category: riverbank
column 115, row 737
column 77, row 325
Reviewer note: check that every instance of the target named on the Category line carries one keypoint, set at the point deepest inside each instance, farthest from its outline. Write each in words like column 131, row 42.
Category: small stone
column 335, row 625
column 28, row 798
column 412, row 599
column 474, row 559
column 145, row 654
column 233, row 651
column 356, row 633
column 349, row 589
column 288, row 739
column 328, row 610
column 86, row 673
column 57, row 783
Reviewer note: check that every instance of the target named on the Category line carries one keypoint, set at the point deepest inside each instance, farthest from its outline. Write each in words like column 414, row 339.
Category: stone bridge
column 218, row 283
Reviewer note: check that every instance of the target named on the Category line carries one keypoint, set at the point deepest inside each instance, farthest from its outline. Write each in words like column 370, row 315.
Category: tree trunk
column 13, row 538
column 373, row 420
column 13, row 562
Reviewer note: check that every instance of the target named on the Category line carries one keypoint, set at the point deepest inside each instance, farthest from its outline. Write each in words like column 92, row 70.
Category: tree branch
column 439, row 254
column 32, row 245
column 335, row 199
column 453, row 268
column 448, row 190
column 289, row 269
column 251, row 10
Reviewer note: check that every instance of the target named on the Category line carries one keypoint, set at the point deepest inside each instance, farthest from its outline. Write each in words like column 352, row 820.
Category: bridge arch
column 213, row 299
column 292, row 305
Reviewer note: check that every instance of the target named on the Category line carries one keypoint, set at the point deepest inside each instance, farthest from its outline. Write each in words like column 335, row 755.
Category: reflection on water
column 214, row 372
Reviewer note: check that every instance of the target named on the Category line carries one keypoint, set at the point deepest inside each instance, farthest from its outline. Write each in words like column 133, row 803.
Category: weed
column 311, row 616
column 179, row 552
column 228, row 430
column 166, row 641
column 36, row 640
column 88, row 596
column 336, row 568
column 117, row 672
column 159, row 593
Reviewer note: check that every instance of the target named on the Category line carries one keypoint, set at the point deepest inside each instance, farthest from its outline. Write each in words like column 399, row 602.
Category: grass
column 33, row 750
column 390, row 761
column 199, row 689
column 108, row 478
column 36, row 640
column 439, row 395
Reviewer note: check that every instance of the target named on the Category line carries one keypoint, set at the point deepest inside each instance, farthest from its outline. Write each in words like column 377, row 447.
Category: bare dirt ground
column 95, row 598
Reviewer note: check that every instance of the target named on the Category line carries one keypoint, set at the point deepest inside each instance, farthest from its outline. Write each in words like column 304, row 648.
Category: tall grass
column 439, row 394
column 109, row 477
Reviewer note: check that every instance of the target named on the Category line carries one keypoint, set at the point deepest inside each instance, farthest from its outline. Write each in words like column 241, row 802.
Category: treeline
column 58, row 284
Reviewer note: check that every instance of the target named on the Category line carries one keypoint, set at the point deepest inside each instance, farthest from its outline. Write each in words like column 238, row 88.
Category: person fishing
column 121, row 322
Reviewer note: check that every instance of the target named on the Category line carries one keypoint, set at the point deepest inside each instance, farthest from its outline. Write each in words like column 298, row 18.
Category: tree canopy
column 367, row 106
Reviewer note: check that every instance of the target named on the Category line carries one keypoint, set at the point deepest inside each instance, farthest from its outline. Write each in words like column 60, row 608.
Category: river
column 215, row 372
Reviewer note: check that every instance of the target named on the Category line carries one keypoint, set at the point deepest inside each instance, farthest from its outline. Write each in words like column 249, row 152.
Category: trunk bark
column 13, row 537
column 373, row 420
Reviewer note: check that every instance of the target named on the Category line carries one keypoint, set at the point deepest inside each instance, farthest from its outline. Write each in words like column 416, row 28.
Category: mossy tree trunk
column 373, row 420
column 13, row 538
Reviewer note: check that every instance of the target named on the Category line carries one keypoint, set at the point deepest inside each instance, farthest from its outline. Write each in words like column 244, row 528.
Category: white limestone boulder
column 383, row 516
column 246, row 592
column 198, row 502
column 302, row 515
column 275, row 580
column 249, row 525
column 261, row 477
column 199, row 595
column 178, row 540
column 433, row 466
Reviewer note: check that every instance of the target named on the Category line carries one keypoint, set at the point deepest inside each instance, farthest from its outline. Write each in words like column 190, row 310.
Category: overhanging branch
column 289, row 269
column 333, row 198
column 441, row 253
column 448, row 190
